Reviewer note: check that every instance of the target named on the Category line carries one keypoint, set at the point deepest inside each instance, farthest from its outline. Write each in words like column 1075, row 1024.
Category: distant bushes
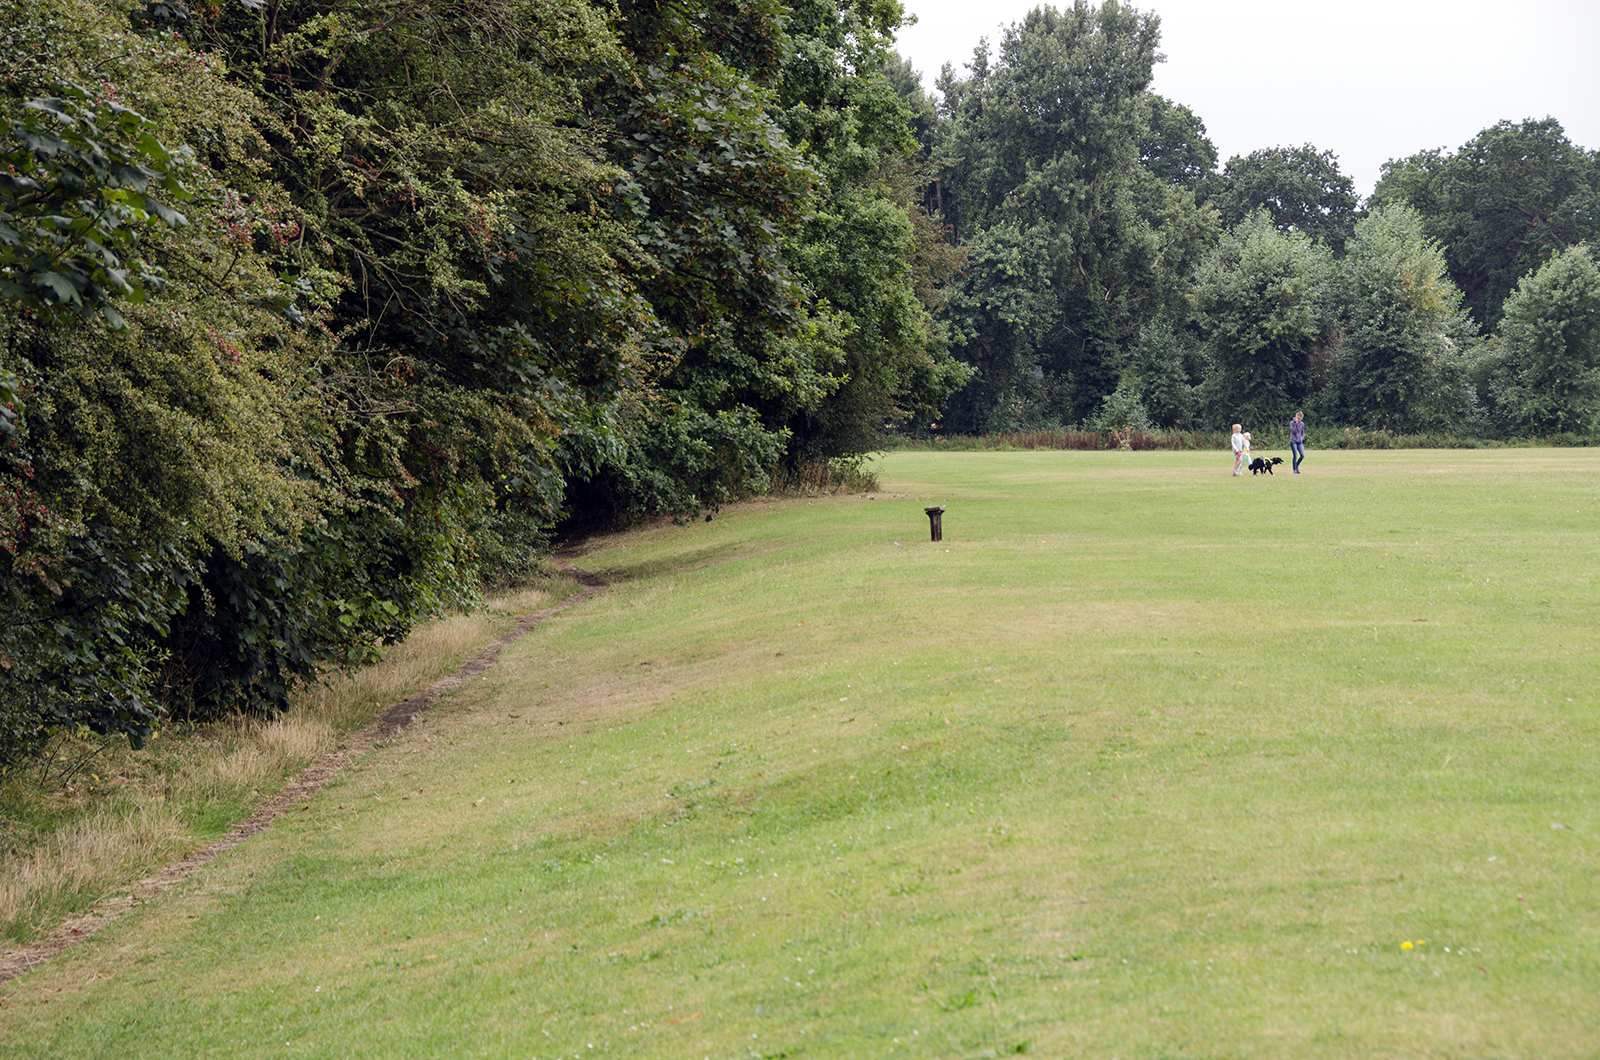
column 1356, row 438
column 1129, row 438
column 1071, row 438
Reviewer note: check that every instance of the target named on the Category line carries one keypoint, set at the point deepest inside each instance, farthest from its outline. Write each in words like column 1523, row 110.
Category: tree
column 1174, row 148
column 435, row 155
column 453, row 208
column 161, row 376
column 771, row 179
column 1262, row 304
column 1162, row 370
column 1503, row 205
column 1404, row 356
column 1072, row 244
column 1544, row 370
column 1301, row 189
column 397, row 290
column 708, row 179
column 1000, row 312
column 868, row 251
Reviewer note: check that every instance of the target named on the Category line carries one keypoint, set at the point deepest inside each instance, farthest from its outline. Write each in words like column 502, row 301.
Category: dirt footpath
column 299, row 788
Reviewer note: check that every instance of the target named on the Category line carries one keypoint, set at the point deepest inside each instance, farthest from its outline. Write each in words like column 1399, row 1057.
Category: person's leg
column 1299, row 451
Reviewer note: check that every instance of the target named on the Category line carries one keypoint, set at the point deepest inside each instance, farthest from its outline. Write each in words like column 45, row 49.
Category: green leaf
column 65, row 290
column 171, row 217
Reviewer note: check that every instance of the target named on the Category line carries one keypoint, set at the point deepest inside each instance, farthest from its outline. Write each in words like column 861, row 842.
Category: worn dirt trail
column 299, row 788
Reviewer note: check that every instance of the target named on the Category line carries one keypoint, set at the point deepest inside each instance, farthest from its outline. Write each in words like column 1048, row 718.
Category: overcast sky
column 1369, row 80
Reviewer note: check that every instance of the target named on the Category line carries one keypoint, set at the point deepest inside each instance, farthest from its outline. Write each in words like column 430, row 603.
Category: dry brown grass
column 430, row 652
column 824, row 477
column 522, row 601
column 263, row 754
column 104, row 815
column 86, row 856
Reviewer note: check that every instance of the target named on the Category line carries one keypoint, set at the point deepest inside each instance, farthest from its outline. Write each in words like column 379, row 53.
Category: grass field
column 1142, row 760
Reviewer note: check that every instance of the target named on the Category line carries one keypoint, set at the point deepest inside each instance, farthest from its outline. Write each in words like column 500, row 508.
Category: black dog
column 1260, row 464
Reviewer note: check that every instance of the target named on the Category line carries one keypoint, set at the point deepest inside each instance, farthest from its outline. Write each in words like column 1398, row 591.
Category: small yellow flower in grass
column 1405, row 945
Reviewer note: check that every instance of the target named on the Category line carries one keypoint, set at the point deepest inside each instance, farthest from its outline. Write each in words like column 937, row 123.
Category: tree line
column 318, row 316
column 1114, row 275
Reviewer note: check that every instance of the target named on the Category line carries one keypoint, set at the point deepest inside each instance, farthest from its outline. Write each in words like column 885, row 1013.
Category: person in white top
column 1238, row 447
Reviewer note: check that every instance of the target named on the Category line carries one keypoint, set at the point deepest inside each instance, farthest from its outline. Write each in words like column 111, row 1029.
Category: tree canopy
column 1072, row 244
column 1263, row 300
column 1301, row 189
column 1508, row 201
column 1544, row 372
column 1403, row 362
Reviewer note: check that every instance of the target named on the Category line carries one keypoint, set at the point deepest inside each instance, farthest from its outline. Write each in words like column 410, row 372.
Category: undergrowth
column 839, row 475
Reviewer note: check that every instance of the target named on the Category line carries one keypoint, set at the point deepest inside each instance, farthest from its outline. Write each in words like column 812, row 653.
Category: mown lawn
column 1141, row 761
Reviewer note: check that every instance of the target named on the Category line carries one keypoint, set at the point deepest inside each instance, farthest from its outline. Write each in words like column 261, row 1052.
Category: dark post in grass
column 935, row 514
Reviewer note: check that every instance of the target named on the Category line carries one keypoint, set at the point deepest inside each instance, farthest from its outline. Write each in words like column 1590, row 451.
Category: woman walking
column 1297, row 439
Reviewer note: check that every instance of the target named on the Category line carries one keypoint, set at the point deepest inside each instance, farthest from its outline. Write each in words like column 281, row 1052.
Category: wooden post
column 935, row 515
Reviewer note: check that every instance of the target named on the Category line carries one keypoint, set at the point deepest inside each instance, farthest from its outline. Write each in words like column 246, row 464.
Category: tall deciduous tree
column 1163, row 370
column 1072, row 243
column 867, row 252
column 1403, row 362
column 432, row 150
column 769, row 175
column 1504, row 204
column 1263, row 305
column 1544, row 370
column 1301, row 189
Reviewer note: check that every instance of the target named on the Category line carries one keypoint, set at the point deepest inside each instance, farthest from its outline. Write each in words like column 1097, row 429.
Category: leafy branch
column 78, row 180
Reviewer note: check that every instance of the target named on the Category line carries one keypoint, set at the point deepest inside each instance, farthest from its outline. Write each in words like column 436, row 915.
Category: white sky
column 1369, row 80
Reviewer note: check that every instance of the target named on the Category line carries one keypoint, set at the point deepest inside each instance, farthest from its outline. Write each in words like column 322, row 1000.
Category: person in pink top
column 1297, row 439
